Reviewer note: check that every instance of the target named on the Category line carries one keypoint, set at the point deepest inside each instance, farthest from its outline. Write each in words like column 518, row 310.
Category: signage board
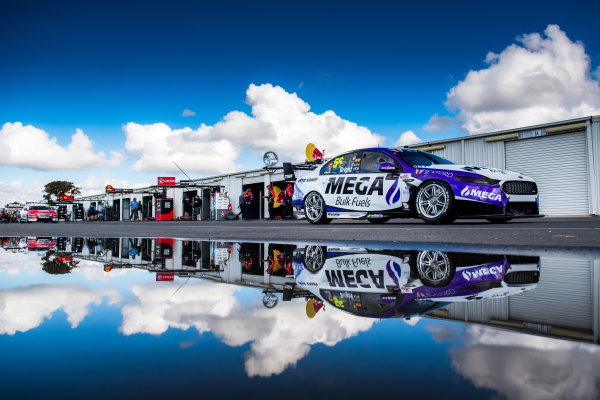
column 166, row 180
column 165, row 276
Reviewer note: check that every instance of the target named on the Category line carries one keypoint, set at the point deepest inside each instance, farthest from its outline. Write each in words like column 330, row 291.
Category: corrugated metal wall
column 481, row 153
column 558, row 163
column 480, row 310
column 563, row 296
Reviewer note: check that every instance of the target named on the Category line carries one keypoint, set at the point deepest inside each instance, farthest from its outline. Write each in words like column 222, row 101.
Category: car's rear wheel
column 435, row 268
column 314, row 257
column 434, row 203
column 315, row 209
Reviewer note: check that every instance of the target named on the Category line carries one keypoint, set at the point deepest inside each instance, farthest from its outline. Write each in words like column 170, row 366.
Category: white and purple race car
column 378, row 184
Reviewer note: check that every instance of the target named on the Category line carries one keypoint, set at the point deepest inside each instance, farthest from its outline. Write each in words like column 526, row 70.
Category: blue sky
column 385, row 66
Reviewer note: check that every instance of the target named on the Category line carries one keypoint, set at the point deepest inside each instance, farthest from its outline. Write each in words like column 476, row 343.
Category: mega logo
column 350, row 185
column 353, row 279
column 482, row 272
column 480, row 194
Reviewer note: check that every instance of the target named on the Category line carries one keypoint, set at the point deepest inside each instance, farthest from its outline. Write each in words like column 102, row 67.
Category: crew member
column 249, row 204
column 271, row 200
column 288, row 211
column 197, row 207
column 134, row 205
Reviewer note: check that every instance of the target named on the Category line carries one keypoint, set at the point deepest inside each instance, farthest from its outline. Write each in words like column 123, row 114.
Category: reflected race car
column 385, row 284
column 378, row 184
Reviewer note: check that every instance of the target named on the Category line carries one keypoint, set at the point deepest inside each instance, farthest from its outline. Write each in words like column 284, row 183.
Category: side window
column 347, row 163
column 370, row 161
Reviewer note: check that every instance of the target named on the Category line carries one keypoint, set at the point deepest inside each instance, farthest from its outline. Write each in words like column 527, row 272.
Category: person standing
column 288, row 211
column 271, row 200
column 249, row 204
column 197, row 207
column 242, row 202
column 134, row 205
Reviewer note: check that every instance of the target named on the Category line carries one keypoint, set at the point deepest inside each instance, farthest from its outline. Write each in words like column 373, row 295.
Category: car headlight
column 478, row 180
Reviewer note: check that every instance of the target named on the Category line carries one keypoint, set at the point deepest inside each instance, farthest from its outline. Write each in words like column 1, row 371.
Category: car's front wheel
column 435, row 268
column 315, row 209
column 434, row 203
column 314, row 257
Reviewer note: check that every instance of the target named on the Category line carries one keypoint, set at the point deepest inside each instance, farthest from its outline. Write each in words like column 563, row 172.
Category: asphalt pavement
column 572, row 235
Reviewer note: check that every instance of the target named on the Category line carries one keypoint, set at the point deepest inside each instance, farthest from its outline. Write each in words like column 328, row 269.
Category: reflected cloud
column 279, row 337
column 25, row 308
column 522, row 366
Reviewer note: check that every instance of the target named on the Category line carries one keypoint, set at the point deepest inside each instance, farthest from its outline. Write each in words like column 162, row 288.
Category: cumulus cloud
column 438, row 124
column 25, row 308
column 279, row 121
column 30, row 147
column 94, row 184
column 18, row 191
column 543, row 78
column 188, row 113
column 278, row 337
column 408, row 137
column 522, row 366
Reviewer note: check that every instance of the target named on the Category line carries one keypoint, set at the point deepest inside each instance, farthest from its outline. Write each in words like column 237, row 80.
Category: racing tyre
column 378, row 220
column 315, row 209
column 314, row 257
column 435, row 268
column 498, row 220
column 434, row 203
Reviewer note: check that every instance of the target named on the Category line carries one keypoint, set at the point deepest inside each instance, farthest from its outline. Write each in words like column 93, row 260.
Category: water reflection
column 278, row 303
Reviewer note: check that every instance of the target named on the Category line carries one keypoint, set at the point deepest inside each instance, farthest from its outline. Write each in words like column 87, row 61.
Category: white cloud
column 408, row 137
column 25, row 308
column 545, row 78
column 522, row 366
column 438, row 124
column 188, row 113
column 94, row 184
column 17, row 191
column 280, row 121
column 278, row 337
column 30, row 147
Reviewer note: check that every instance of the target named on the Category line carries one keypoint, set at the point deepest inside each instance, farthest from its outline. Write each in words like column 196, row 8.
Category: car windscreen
column 416, row 158
column 38, row 208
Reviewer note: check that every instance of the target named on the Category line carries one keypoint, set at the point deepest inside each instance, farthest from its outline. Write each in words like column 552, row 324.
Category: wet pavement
column 98, row 317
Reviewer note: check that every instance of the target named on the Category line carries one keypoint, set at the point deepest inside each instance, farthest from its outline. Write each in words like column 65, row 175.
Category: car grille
column 519, row 187
column 522, row 277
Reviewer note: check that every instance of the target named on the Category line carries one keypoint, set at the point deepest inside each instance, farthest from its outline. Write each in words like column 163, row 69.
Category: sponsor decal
column 387, row 299
column 352, row 201
column 364, row 278
column 353, row 185
column 482, row 272
column 165, row 276
column 307, row 180
column 393, row 194
column 392, row 266
column 447, row 174
column 353, row 262
column 480, row 194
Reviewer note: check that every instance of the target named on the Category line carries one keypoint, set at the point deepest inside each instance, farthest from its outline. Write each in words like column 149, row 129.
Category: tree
column 60, row 188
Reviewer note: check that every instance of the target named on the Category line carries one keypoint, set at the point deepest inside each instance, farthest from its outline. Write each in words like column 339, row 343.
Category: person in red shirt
column 271, row 200
column 288, row 212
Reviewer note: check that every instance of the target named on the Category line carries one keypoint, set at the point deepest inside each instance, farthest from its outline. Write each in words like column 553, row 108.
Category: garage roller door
column 563, row 296
column 558, row 163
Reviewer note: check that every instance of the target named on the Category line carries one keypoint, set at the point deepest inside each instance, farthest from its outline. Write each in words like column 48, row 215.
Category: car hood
column 492, row 173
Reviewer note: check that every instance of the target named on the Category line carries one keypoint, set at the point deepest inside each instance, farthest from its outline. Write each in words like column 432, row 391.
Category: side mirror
column 387, row 167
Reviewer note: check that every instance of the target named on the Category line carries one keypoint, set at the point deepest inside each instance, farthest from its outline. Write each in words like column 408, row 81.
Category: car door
column 386, row 191
column 336, row 179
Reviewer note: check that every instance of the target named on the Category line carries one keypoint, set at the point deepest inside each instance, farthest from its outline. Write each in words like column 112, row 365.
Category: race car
column 37, row 212
column 378, row 184
column 383, row 284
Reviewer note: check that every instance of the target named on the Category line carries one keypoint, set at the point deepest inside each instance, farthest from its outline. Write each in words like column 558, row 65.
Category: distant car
column 383, row 284
column 37, row 213
column 378, row 184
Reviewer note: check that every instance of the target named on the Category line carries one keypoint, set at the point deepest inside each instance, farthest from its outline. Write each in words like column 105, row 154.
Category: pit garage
column 563, row 158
